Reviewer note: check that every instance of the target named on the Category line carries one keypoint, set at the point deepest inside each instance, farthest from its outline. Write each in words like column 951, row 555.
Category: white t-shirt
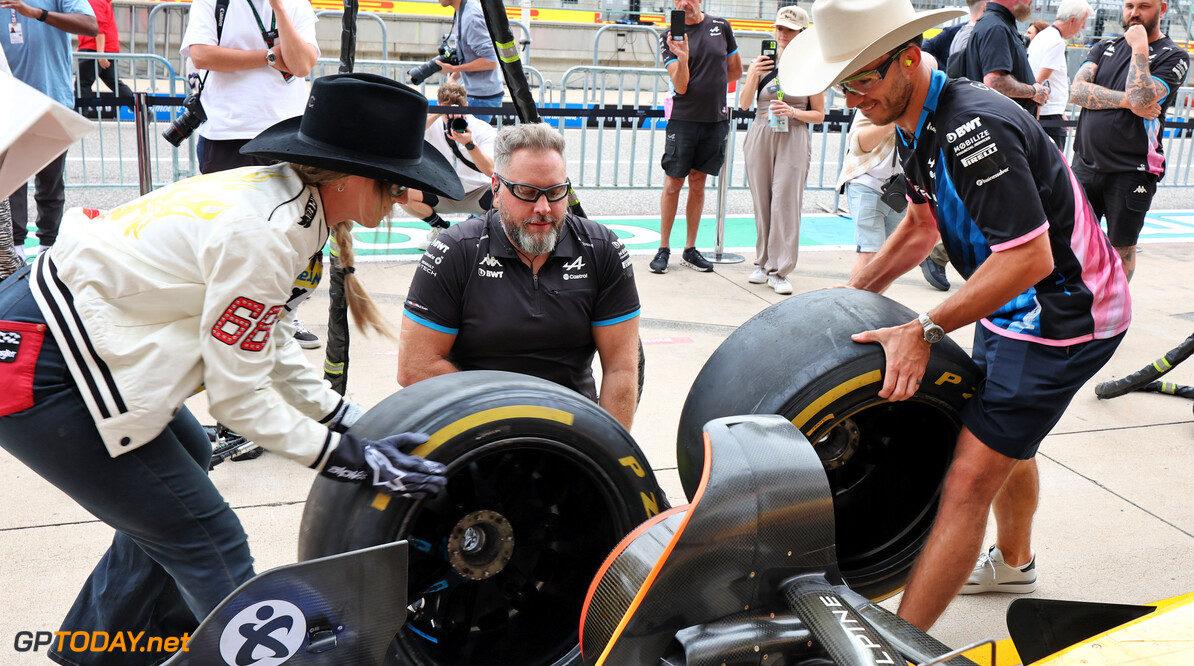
column 483, row 136
column 1047, row 50
column 241, row 104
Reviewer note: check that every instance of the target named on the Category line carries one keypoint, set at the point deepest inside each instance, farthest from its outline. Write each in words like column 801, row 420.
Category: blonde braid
column 365, row 313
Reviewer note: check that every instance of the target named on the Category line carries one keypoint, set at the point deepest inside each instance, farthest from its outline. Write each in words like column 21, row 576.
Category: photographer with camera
column 473, row 62
column 466, row 142
column 873, row 180
column 255, row 62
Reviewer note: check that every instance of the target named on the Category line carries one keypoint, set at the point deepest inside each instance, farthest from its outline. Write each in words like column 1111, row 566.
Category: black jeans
column 50, row 195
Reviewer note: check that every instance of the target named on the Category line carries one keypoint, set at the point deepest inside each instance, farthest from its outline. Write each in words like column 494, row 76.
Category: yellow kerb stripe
column 838, row 391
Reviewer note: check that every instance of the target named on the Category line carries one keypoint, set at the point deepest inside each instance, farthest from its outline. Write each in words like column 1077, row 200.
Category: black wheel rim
column 885, row 463
column 565, row 518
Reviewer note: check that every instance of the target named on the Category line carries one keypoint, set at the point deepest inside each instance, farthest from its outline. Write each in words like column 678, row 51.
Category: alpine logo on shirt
column 715, row 31
column 575, row 265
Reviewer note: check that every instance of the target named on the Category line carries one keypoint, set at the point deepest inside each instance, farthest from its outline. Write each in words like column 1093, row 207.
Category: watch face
column 934, row 333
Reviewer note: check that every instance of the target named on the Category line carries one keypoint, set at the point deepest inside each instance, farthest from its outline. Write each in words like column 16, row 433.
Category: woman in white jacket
column 193, row 287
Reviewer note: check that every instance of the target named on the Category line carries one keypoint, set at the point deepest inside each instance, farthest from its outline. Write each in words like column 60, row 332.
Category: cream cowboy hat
column 848, row 34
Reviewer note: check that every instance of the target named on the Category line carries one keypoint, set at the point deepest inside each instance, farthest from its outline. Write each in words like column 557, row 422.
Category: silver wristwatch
column 933, row 332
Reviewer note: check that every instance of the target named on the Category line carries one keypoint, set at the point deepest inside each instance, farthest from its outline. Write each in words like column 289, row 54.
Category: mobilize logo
column 267, row 633
column 963, row 129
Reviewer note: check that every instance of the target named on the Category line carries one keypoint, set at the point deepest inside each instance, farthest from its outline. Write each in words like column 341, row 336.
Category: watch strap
column 45, row 13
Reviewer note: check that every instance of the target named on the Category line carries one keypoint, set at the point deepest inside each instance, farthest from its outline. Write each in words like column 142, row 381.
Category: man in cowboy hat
column 1043, row 282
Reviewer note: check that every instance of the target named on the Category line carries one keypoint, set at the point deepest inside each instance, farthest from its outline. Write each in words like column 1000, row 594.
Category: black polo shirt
column 995, row 181
column 1137, row 144
column 710, row 42
column 471, row 284
column 995, row 46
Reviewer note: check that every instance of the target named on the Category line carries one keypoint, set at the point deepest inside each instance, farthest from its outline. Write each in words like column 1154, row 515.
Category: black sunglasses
column 531, row 194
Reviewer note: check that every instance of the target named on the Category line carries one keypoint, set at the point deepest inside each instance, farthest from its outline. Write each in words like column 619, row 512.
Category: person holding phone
column 700, row 62
column 777, row 154
column 467, row 142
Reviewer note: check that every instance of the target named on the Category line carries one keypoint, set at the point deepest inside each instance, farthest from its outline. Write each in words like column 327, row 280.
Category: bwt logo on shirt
column 963, row 129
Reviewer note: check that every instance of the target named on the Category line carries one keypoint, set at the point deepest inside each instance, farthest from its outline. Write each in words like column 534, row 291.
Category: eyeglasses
column 864, row 82
column 531, row 194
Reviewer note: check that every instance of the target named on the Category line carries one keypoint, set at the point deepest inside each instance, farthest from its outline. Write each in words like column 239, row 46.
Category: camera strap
column 456, row 149
column 221, row 13
column 271, row 35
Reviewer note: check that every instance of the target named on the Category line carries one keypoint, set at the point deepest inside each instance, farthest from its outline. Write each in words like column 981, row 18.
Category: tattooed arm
column 1005, row 83
column 1142, row 89
column 1089, row 95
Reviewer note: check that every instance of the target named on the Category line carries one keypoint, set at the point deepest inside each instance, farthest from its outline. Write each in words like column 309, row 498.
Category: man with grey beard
column 527, row 287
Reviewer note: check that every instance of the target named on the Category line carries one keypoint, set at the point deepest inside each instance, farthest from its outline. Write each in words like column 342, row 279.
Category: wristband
column 44, row 14
column 470, row 145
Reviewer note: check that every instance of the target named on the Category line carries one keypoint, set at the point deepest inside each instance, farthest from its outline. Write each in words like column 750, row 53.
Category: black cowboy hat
column 362, row 125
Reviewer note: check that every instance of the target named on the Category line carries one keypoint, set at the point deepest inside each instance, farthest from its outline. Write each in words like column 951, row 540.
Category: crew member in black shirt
column 700, row 65
column 996, row 55
column 527, row 288
column 1124, row 88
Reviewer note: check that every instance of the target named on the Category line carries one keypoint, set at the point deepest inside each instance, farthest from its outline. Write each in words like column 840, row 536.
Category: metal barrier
column 385, row 35
column 108, row 156
column 173, row 18
column 398, row 69
column 618, row 28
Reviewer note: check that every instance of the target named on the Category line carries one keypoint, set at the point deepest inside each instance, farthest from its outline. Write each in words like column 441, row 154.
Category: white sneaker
column 992, row 574
column 432, row 234
column 757, row 277
column 780, row 285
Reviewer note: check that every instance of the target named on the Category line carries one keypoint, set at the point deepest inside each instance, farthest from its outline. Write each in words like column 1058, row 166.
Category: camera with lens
column 458, row 125
column 431, row 67
column 895, row 191
column 192, row 117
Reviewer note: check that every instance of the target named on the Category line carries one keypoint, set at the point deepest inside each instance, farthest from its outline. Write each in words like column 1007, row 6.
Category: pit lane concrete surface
column 1114, row 524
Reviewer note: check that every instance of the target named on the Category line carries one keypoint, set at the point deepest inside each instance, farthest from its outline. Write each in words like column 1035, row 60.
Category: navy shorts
column 1027, row 388
column 1124, row 198
column 691, row 145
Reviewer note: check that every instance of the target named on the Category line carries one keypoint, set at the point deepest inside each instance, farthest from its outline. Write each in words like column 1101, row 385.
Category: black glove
column 384, row 466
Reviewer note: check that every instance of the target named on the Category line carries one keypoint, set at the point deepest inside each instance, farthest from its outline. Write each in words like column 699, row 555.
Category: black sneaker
column 305, row 338
column 934, row 274
column 693, row 259
column 659, row 263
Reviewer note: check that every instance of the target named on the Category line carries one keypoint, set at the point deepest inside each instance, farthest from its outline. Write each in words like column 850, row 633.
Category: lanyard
column 272, row 34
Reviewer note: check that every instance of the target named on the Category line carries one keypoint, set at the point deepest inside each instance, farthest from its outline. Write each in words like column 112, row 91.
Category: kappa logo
column 490, row 261
column 575, row 265
column 267, row 633
column 963, row 129
column 1140, row 189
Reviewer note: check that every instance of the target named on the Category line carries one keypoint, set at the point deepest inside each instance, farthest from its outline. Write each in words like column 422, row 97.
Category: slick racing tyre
column 542, row 484
column 885, row 460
